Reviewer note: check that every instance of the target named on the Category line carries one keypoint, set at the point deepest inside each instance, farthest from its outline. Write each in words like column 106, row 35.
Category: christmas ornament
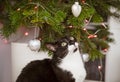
column 76, row 9
column 85, row 57
column 34, row 44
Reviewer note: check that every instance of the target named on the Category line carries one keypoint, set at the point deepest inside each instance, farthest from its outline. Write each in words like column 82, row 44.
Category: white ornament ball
column 34, row 44
column 85, row 57
column 76, row 9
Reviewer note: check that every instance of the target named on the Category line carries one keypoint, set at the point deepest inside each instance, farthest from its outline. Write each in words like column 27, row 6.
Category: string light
column 5, row 41
column 70, row 26
column 18, row 9
column 99, row 67
column 36, row 8
column 85, row 29
column 92, row 36
column 100, row 72
column 86, row 21
column 105, row 50
column 83, row 1
column 26, row 33
column 95, row 36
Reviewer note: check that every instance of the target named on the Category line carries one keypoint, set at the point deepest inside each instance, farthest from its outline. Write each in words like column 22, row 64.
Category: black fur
column 47, row 70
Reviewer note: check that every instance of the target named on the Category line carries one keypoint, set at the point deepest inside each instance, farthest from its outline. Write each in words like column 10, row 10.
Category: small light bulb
column 99, row 67
column 70, row 26
column 26, row 33
column 91, row 36
column 83, row 1
column 105, row 50
column 18, row 9
column 5, row 41
column 95, row 36
column 36, row 8
column 86, row 21
column 84, row 29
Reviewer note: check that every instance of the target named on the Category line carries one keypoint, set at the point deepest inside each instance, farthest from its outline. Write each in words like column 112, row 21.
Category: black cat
column 65, row 66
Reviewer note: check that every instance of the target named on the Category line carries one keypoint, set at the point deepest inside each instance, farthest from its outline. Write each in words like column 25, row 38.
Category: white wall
column 113, row 56
column 5, row 62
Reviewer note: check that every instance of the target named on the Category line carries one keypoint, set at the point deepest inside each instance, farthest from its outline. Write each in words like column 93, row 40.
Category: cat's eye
column 71, row 38
column 63, row 44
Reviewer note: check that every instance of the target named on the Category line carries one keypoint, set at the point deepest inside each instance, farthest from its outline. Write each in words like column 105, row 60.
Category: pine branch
column 55, row 19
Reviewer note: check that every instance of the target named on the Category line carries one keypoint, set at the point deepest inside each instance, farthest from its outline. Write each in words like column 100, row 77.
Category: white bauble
column 34, row 44
column 76, row 9
column 85, row 57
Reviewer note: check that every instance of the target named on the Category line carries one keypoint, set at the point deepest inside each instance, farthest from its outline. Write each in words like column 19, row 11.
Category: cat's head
column 63, row 46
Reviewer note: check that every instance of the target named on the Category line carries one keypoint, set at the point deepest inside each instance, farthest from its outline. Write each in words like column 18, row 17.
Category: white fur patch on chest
column 74, row 64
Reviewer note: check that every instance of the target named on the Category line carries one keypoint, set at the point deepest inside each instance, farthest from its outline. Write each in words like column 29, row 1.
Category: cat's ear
column 51, row 47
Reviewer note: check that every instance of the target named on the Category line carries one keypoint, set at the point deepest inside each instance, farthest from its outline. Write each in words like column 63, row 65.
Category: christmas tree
column 54, row 18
